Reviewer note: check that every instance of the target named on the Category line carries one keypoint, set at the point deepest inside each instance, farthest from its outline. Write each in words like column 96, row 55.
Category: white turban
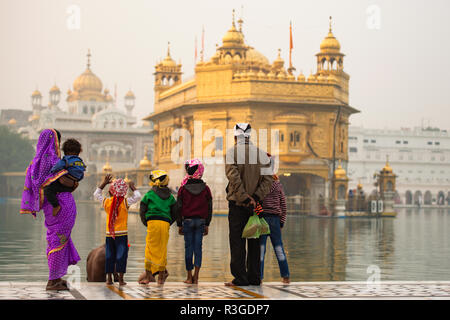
column 243, row 129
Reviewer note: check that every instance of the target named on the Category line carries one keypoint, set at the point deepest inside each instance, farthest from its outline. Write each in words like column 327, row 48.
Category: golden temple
column 239, row 84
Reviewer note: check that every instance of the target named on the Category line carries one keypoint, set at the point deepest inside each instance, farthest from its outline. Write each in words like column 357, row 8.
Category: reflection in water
column 413, row 246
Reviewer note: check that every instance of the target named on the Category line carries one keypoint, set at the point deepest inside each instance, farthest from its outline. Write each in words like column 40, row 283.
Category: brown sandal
column 57, row 286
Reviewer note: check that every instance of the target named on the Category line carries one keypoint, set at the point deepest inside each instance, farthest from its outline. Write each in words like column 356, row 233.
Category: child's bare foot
column 285, row 280
column 162, row 276
column 109, row 279
column 121, row 281
column 146, row 277
column 195, row 277
column 189, row 277
column 56, row 210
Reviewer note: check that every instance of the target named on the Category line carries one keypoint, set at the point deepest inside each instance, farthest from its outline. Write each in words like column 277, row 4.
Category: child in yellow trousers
column 157, row 211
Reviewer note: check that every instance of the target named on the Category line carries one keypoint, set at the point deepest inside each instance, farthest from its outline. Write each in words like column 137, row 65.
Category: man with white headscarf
column 248, row 184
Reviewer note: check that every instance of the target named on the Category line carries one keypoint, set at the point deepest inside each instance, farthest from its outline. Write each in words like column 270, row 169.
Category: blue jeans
column 277, row 244
column 193, row 230
column 116, row 254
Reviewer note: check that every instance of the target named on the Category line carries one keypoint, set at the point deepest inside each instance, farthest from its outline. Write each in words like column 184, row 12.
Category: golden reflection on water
column 413, row 246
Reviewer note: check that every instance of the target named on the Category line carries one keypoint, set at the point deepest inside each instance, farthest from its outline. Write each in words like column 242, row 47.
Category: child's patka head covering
column 159, row 178
column 194, row 170
column 244, row 129
column 118, row 190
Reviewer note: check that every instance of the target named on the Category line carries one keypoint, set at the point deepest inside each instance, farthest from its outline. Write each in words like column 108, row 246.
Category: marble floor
column 215, row 290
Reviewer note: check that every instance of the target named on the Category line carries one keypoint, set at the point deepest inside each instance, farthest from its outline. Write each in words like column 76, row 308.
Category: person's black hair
column 72, row 147
column 59, row 135
column 190, row 170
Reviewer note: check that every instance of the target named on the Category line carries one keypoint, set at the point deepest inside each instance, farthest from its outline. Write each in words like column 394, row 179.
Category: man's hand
column 106, row 180
column 205, row 232
column 180, row 230
column 132, row 186
column 252, row 202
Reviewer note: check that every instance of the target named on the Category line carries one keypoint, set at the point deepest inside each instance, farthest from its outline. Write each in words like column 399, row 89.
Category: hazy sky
column 397, row 51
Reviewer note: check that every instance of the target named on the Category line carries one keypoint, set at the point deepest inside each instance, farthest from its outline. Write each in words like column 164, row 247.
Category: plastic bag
column 264, row 227
column 252, row 229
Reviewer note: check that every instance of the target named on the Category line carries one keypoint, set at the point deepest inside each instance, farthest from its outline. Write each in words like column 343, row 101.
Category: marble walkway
column 216, row 290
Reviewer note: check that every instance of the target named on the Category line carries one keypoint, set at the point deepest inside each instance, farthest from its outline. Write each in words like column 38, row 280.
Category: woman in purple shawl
column 60, row 250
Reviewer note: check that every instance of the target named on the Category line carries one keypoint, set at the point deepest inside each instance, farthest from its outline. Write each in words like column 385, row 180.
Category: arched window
column 408, row 197
column 341, row 191
column 85, row 109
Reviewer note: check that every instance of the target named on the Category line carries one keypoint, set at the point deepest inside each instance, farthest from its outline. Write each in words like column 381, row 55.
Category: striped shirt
column 275, row 201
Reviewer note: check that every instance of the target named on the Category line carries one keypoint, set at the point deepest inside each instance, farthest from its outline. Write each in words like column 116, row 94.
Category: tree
column 16, row 152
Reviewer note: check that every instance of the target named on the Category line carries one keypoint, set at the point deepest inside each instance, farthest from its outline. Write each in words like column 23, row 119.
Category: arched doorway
column 441, row 198
column 408, row 197
column 427, row 199
column 418, row 200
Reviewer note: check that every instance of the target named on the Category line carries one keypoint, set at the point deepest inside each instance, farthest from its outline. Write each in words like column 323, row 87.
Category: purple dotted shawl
column 38, row 172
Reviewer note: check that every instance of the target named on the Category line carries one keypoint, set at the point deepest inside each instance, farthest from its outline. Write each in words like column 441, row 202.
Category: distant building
column 420, row 157
column 14, row 118
column 107, row 132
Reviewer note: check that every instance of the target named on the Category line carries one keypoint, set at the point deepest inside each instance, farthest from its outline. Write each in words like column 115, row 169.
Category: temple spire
column 331, row 20
column 89, row 59
column 234, row 24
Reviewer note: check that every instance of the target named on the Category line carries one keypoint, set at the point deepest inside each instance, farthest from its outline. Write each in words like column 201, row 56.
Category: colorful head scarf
column 190, row 165
column 159, row 178
column 118, row 190
column 38, row 172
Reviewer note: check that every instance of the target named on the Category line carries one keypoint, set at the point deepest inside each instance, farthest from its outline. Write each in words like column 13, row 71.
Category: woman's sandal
column 60, row 285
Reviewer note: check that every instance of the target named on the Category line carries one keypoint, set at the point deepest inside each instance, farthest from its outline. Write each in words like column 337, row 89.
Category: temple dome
column 340, row 173
column 88, row 81
column 233, row 37
column 256, row 57
column 330, row 44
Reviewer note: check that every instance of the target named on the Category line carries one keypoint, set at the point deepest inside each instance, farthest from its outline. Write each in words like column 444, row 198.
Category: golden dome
column 312, row 78
column 129, row 94
column 256, row 57
column 145, row 163
column 54, row 89
column 340, row 172
column 12, row 121
column 321, row 78
column 330, row 43
column 34, row 117
column 301, row 77
column 233, row 37
column 36, row 93
column 107, row 167
column 278, row 62
column 387, row 168
column 87, row 81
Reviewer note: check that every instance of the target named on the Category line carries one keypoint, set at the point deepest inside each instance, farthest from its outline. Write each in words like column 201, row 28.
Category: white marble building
column 419, row 157
column 106, row 131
